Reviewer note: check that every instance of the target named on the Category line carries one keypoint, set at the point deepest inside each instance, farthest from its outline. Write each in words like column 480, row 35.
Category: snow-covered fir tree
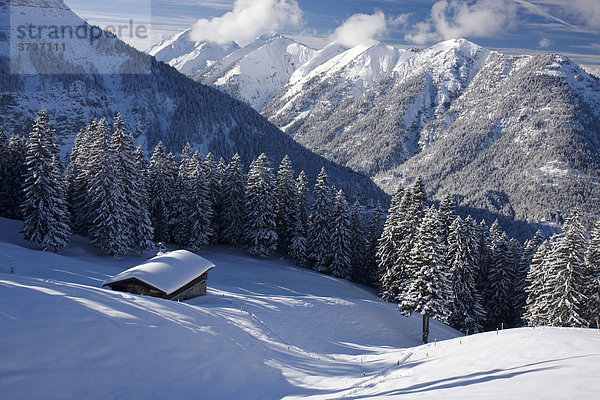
column 536, row 310
column 483, row 258
column 591, row 279
column 302, row 198
column 108, row 204
column 320, row 225
column 447, row 215
column 429, row 291
column 498, row 294
column 212, row 174
column 200, row 206
column 161, row 181
column 4, row 177
column 45, row 207
column 77, row 177
column 137, row 225
column 144, row 232
column 261, row 237
column 341, row 263
column 13, row 171
column 564, row 289
column 233, row 202
column 299, row 242
column 358, row 245
column 374, row 231
column 520, row 295
column 419, row 201
column 390, row 242
column 467, row 312
column 285, row 189
column 412, row 207
column 180, row 222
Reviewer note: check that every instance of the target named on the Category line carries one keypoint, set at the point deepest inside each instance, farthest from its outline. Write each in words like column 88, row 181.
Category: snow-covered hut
column 176, row 275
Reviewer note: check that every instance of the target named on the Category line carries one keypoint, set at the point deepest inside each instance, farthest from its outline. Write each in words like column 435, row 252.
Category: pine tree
column 536, row 309
column 521, row 281
column 375, row 230
column 144, row 232
column 285, row 189
column 389, row 262
column 591, row 279
column 161, row 183
column 233, row 202
column 14, row 170
column 201, row 209
column 500, row 281
column 447, row 215
column 430, row 289
column 299, row 243
column 564, row 288
column 132, row 184
column 213, row 177
column 108, row 204
column 182, row 199
column 4, row 176
column 412, row 209
column 45, row 208
column 466, row 309
column 319, row 225
column 358, row 246
column 341, row 265
column 419, row 200
column 302, row 198
column 483, row 259
column 261, row 202
column 78, row 179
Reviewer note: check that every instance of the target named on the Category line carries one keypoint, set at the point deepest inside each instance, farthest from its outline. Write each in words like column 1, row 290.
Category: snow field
column 266, row 330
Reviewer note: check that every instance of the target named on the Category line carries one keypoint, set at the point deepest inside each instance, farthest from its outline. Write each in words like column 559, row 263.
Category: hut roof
column 167, row 272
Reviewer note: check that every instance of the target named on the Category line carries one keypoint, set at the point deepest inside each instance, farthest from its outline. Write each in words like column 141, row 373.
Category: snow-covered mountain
column 257, row 71
column 252, row 74
column 101, row 77
column 187, row 55
column 505, row 133
column 265, row 330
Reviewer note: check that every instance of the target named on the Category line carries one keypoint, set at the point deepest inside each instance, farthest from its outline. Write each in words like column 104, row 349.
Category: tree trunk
column 425, row 327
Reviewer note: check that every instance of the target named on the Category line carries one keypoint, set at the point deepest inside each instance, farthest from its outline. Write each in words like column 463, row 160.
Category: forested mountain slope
column 106, row 76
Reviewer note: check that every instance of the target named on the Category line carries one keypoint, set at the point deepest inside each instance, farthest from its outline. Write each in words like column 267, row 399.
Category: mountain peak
column 57, row 4
column 270, row 37
column 462, row 46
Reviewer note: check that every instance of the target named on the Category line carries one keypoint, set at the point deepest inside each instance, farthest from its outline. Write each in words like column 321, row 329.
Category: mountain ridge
column 157, row 102
column 395, row 114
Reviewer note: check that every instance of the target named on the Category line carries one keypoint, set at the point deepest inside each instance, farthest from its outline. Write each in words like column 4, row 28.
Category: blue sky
column 570, row 27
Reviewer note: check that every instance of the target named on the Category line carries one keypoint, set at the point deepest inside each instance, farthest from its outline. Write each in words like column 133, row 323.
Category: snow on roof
column 167, row 272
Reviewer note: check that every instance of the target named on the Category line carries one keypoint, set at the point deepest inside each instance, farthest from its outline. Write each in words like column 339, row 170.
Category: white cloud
column 360, row 28
column 588, row 11
column 400, row 20
column 247, row 20
column 545, row 43
column 459, row 18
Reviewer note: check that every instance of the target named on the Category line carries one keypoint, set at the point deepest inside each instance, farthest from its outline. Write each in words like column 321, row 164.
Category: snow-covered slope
column 266, row 330
column 257, row 71
column 189, row 56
